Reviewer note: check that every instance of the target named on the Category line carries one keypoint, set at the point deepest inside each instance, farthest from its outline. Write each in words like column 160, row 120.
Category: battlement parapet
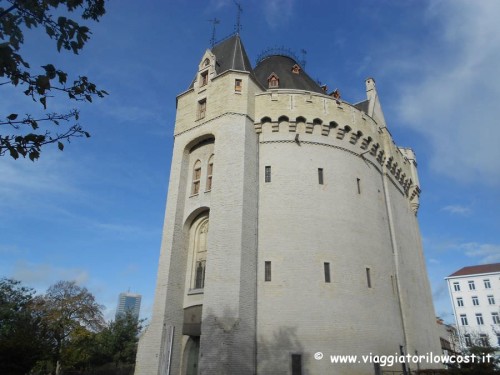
column 323, row 120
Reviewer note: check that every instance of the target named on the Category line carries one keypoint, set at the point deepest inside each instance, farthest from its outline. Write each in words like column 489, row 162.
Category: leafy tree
column 22, row 334
column 117, row 343
column 67, row 310
column 30, row 133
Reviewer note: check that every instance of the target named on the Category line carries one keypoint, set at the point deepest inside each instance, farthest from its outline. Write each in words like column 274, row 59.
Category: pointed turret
column 374, row 108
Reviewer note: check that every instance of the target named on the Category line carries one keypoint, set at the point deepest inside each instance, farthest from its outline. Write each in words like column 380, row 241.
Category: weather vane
column 214, row 22
column 238, row 17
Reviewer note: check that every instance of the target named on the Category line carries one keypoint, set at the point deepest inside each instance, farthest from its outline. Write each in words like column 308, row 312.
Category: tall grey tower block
column 290, row 229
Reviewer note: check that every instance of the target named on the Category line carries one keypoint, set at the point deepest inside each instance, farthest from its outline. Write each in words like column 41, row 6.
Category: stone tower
column 290, row 229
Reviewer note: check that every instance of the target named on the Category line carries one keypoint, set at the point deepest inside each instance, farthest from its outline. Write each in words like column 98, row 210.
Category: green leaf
column 13, row 153
column 33, row 155
column 12, row 116
column 60, row 146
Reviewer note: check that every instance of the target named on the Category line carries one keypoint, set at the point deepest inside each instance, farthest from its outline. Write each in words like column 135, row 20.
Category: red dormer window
column 296, row 69
column 273, row 81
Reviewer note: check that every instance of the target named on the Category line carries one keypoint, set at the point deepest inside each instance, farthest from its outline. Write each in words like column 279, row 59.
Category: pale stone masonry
column 290, row 229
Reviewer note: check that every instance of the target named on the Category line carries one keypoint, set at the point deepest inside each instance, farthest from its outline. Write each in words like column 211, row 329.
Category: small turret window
column 204, row 78
column 210, row 170
column 196, row 177
column 296, row 69
column 273, row 81
column 237, row 85
column 206, row 62
column 202, row 108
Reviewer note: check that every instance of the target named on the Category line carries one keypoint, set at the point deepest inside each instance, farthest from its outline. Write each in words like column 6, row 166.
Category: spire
column 214, row 22
column 237, row 27
column 230, row 54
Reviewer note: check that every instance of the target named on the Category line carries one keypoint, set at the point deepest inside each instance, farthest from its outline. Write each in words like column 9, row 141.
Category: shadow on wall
column 274, row 354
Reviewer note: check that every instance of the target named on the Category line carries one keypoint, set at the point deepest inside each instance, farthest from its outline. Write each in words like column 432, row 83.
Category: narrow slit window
column 196, row 177
column 326, row 266
column 358, row 181
column 320, row 176
column 210, row 171
column 368, row 278
column 296, row 364
column 204, row 78
column 202, row 108
column 268, row 173
column 237, row 85
column 267, row 271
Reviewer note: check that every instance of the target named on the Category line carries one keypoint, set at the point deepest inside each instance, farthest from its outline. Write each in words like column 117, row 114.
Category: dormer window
column 273, row 81
column 296, row 69
column 204, row 78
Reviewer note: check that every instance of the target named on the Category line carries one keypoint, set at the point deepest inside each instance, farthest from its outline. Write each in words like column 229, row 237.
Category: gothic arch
column 197, row 250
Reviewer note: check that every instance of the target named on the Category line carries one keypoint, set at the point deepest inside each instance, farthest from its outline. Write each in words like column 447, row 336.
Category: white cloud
column 487, row 253
column 278, row 12
column 456, row 209
column 41, row 275
column 454, row 97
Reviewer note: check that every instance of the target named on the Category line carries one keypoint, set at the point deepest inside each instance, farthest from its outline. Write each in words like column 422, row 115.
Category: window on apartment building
column 475, row 301
column 237, row 85
column 483, row 339
column 267, row 177
column 495, row 318
column 472, row 286
column 460, row 301
column 368, row 278
column 210, row 171
column 487, row 283
column 267, row 271
column 491, row 300
column 456, row 286
column 196, row 177
column 326, row 267
column 468, row 340
column 463, row 320
column 320, row 176
column 296, row 364
column 202, row 108
column 479, row 319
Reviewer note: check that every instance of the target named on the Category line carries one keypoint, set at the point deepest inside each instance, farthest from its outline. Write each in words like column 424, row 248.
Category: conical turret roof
column 231, row 55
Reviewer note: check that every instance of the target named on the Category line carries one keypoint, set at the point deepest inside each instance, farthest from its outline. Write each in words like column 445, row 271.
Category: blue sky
column 94, row 213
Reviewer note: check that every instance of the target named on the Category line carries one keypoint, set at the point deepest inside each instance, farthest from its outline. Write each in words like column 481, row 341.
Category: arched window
column 196, row 177
column 200, row 252
column 210, row 171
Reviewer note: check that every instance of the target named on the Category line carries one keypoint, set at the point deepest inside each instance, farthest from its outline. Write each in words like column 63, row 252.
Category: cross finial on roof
column 237, row 27
column 214, row 22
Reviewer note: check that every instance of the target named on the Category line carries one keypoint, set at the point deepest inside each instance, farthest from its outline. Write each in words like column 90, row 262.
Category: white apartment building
column 475, row 296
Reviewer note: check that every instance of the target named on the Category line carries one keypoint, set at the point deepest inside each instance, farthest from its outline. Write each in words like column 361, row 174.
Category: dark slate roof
column 362, row 106
column 230, row 54
column 282, row 67
column 476, row 270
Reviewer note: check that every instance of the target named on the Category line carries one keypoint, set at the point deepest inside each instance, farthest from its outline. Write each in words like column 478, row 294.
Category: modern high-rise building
column 128, row 302
column 475, row 297
column 290, row 230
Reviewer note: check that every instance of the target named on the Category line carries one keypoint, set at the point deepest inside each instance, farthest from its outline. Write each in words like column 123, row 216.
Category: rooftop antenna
column 214, row 22
column 238, row 17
